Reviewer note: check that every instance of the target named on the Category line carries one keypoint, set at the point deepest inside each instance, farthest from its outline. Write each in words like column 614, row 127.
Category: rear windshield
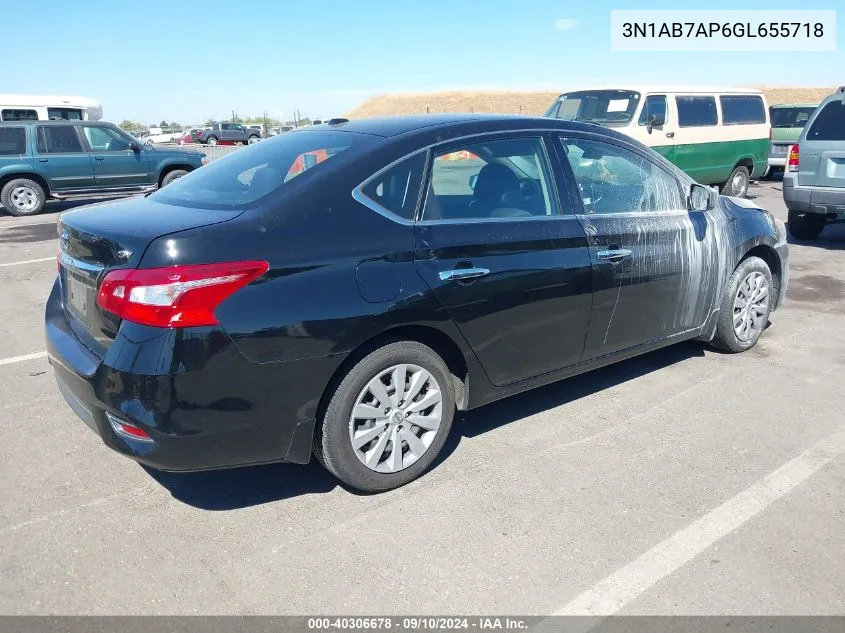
column 790, row 117
column 829, row 124
column 250, row 174
column 607, row 107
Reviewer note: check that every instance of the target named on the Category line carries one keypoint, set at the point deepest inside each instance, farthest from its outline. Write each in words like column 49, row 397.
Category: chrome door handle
column 670, row 135
column 100, row 158
column 462, row 274
column 615, row 254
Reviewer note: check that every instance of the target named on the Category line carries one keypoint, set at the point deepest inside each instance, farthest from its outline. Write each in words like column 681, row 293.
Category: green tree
column 131, row 126
column 163, row 124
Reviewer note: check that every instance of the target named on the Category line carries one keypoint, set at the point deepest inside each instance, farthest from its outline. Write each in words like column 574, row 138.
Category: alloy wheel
column 24, row 198
column 396, row 418
column 751, row 305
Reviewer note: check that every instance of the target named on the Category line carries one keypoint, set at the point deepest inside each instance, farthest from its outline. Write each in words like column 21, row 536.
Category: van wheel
column 745, row 308
column 805, row 226
column 23, row 196
column 171, row 176
column 388, row 419
column 737, row 184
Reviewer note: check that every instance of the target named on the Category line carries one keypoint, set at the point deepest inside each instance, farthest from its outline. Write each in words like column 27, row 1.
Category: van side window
column 696, row 111
column 18, row 115
column 829, row 124
column 655, row 105
column 742, row 110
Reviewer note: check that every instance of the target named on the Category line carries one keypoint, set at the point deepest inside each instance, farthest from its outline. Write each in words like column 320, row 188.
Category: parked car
column 190, row 136
column 814, row 180
column 788, row 119
column 725, row 145
column 228, row 132
column 40, row 160
column 378, row 275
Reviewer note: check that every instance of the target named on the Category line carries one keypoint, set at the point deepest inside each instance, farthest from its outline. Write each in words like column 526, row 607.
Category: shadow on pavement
column 28, row 233
column 244, row 487
column 832, row 238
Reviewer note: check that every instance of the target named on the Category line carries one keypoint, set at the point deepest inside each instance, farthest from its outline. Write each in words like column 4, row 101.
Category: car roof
column 62, row 122
column 390, row 126
column 671, row 88
column 795, row 105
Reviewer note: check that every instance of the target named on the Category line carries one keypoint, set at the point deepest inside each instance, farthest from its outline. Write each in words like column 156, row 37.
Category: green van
column 788, row 119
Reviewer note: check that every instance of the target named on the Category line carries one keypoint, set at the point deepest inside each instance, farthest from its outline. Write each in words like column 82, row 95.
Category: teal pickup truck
column 42, row 160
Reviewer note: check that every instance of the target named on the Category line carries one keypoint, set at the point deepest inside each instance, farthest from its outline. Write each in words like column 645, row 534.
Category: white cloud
column 566, row 24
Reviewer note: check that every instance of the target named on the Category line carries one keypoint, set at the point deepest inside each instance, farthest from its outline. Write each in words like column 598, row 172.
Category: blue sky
column 187, row 61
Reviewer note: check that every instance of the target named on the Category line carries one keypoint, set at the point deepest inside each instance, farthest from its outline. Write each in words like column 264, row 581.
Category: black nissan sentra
column 343, row 290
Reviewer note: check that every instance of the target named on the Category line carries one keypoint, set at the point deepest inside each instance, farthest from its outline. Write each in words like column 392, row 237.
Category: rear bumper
column 211, row 408
column 827, row 201
column 777, row 162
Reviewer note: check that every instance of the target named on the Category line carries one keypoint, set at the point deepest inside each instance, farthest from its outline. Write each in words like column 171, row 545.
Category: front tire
column 388, row 418
column 737, row 184
column 22, row 197
column 746, row 305
column 171, row 176
column 805, row 226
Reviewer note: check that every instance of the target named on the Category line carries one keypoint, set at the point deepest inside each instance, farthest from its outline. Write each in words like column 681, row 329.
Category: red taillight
column 792, row 163
column 177, row 296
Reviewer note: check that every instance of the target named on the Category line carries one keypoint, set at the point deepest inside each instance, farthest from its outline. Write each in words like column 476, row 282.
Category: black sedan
column 343, row 290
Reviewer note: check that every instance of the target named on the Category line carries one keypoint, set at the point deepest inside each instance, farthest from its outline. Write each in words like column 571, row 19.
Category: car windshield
column 790, row 117
column 607, row 107
column 243, row 178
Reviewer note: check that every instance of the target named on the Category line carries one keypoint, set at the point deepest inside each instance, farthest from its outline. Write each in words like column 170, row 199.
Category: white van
column 15, row 107
column 719, row 136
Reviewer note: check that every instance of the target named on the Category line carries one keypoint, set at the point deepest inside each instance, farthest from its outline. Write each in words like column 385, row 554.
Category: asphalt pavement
column 685, row 481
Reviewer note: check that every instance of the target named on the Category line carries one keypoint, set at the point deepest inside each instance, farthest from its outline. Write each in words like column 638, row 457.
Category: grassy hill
column 534, row 103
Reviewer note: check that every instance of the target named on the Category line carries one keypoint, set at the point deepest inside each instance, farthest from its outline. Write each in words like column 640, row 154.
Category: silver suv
column 814, row 179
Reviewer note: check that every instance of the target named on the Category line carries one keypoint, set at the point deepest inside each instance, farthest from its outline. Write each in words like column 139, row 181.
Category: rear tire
column 737, row 184
column 22, row 197
column 805, row 226
column 426, row 396
column 745, row 308
column 252, row 140
column 212, row 140
column 171, row 176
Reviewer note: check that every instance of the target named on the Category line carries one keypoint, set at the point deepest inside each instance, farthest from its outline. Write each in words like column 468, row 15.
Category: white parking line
column 29, row 261
column 620, row 588
column 20, row 359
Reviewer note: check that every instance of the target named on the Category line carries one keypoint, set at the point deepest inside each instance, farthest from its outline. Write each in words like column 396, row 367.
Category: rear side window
column 397, row 189
column 696, row 111
column 64, row 114
column 250, row 174
column 58, row 139
column 12, row 141
column 829, row 124
column 742, row 110
column 18, row 115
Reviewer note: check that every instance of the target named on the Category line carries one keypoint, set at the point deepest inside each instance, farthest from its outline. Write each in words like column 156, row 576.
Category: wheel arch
column 173, row 167
column 5, row 178
column 770, row 256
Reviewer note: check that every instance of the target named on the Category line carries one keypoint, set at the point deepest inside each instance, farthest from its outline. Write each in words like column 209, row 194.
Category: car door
column 116, row 164
column 656, row 126
column 696, row 150
column 651, row 257
column 509, row 264
column 62, row 158
column 226, row 133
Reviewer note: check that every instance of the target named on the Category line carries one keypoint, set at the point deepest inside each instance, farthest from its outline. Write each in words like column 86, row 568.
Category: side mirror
column 472, row 180
column 656, row 120
column 134, row 147
column 701, row 198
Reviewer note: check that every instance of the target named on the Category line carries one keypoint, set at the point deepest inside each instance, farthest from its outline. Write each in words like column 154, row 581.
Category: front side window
column 790, row 117
column 655, row 106
column 742, row 110
column 829, row 124
column 58, row 139
column 104, row 139
column 397, row 189
column 696, row 111
column 12, row 141
column 508, row 178
column 13, row 114
column 607, row 107
column 612, row 179
column 243, row 178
